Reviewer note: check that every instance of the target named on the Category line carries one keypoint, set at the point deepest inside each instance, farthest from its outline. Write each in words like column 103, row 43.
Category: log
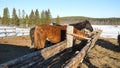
column 20, row 59
column 43, row 55
column 69, row 36
column 50, row 51
column 47, row 53
column 79, row 57
column 95, row 37
column 75, row 61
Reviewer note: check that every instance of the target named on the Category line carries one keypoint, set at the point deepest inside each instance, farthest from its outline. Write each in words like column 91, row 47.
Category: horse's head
column 88, row 25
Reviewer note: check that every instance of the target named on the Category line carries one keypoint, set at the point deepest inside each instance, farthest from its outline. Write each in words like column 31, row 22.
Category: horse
column 31, row 34
column 118, row 39
column 80, row 25
column 53, row 34
column 86, row 25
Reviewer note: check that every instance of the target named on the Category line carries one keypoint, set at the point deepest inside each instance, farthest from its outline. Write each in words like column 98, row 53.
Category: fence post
column 69, row 36
column 22, row 31
column 5, row 32
column 15, row 31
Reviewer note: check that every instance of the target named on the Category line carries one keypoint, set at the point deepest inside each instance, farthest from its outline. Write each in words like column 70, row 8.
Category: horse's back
column 53, row 33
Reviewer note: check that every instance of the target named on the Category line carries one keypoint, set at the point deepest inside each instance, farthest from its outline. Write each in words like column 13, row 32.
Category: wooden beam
column 95, row 37
column 40, row 56
column 74, row 62
column 69, row 36
column 80, row 56
column 50, row 51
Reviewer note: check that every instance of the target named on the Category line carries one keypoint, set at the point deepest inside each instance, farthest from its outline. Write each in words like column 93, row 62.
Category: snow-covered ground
column 108, row 31
column 13, row 31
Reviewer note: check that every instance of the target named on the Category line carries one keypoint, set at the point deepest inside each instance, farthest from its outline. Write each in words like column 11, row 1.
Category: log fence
column 41, row 59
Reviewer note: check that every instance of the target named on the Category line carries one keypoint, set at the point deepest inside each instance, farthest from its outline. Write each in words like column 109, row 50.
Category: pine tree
column 19, row 13
column 19, row 16
column 48, row 16
column 23, row 22
column 26, row 20
column 0, row 20
column 42, row 17
column 31, row 19
column 5, row 19
column 37, row 18
column 15, row 19
column 58, row 20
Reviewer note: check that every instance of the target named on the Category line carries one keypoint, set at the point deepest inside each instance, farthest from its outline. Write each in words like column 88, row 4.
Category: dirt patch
column 14, row 47
column 19, row 41
column 105, row 54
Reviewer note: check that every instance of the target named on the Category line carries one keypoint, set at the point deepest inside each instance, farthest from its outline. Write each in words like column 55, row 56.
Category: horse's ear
column 86, row 20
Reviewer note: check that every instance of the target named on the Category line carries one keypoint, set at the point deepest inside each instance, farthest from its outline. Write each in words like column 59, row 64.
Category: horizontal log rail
column 74, row 62
column 35, row 57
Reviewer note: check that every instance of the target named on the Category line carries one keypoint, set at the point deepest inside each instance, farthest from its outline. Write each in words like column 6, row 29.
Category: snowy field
column 108, row 31
column 13, row 31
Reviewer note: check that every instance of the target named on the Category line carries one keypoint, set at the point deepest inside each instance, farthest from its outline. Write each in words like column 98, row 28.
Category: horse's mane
column 80, row 23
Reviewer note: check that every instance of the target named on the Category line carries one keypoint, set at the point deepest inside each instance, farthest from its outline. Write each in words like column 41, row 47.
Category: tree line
column 44, row 17
column 25, row 20
column 94, row 21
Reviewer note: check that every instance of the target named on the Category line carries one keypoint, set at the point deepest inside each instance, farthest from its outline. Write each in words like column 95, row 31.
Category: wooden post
column 5, row 32
column 69, row 36
column 14, row 31
column 98, row 33
column 22, row 31
column 74, row 62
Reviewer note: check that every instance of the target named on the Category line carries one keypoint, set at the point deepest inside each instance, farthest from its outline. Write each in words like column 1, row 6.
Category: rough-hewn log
column 95, row 37
column 69, row 36
column 50, row 51
column 79, row 57
column 43, row 54
column 20, row 59
column 76, row 60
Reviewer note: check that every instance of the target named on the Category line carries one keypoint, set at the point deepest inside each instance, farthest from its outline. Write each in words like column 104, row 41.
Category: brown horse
column 80, row 25
column 53, row 34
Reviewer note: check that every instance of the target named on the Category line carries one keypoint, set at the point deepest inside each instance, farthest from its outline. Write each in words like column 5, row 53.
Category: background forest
column 21, row 19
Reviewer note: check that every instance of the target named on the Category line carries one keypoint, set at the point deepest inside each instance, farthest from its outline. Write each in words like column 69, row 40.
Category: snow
column 13, row 31
column 108, row 31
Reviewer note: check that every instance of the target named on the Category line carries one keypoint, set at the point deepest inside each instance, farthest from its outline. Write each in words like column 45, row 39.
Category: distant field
column 108, row 31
